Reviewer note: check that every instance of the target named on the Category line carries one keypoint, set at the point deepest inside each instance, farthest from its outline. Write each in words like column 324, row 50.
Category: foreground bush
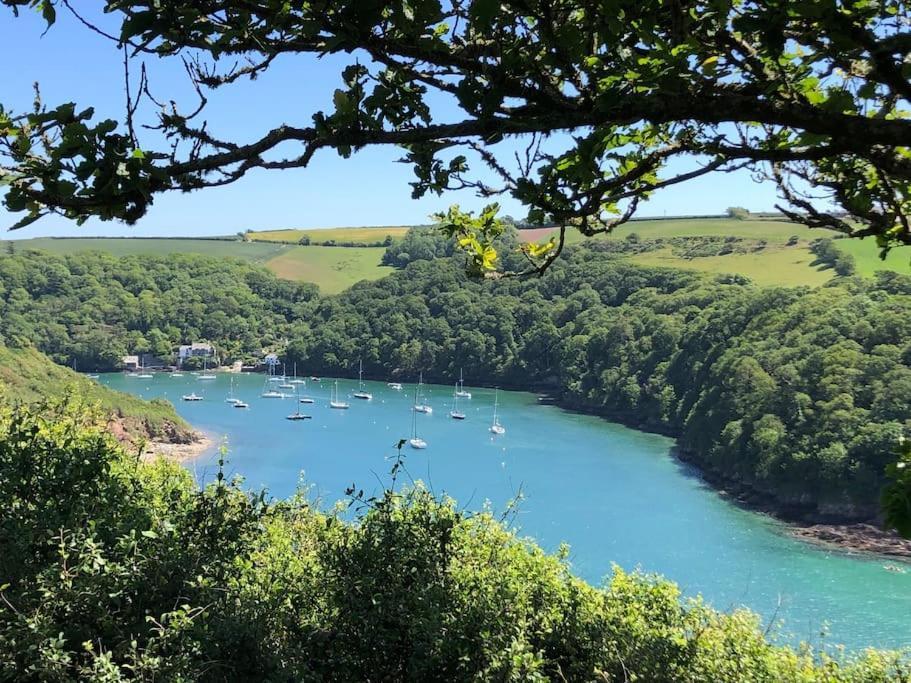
column 115, row 569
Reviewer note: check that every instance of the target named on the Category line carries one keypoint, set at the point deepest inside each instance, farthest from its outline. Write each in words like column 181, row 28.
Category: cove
column 614, row 494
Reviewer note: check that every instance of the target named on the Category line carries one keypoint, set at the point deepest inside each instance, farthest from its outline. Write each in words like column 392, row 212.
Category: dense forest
column 91, row 308
column 119, row 570
column 797, row 395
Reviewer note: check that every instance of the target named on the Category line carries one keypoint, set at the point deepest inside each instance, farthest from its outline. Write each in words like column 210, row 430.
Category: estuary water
column 615, row 495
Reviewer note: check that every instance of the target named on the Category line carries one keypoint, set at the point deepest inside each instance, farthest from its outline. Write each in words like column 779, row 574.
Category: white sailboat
column 205, row 366
column 297, row 380
column 415, row 441
column 284, row 383
column 395, row 386
column 268, row 391
column 421, row 407
column 455, row 413
column 142, row 374
column 496, row 427
column 460, row 389
column 231, row 398
column 360, row 393
column 191, row 397
column 334, row 402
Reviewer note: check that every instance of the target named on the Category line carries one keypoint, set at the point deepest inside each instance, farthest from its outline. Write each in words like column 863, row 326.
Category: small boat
column 415, row 441
column 191, row 397
column 297, row 414
column 360, row 393
column 314, row 379
column 142, row 374
column 421, row 407
column 394, row 386
column 455, row 413
column 496, row 427
column 231, row 398
column 92, row 376
column 286, row 385
column 176, row 374
column 334, row 402
column 240, row 404
column 305, row 399
column 268, row 391
column 205, row 366
column 460, row 389
column 297, row 380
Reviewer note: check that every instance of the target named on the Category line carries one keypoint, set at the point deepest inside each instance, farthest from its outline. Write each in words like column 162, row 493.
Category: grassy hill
column 776, row 264
column 28, row 376
column 332, row 269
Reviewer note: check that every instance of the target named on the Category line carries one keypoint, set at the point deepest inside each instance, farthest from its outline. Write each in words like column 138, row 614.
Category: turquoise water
column 614, row 494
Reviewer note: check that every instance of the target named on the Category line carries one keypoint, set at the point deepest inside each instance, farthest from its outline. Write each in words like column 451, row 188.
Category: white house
column 130, row 362
column 195, row 350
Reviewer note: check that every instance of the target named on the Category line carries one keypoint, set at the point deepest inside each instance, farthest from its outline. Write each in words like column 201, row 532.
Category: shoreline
column 845, row 534
column 201, row 444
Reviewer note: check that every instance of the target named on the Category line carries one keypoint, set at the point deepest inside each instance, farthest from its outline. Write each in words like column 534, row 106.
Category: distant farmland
column 776, row 264
column 334, row 269
column 339, row 235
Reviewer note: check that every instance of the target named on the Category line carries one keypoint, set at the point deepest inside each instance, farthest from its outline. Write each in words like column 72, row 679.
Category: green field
column 866, row 255
column 332, row 268
column 769, row 230
column 774, row 265
column 321, row 236
column 247, row 251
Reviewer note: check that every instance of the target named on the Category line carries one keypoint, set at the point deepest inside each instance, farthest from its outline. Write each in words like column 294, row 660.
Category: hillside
column 28, row 376
column 780, row 256
column 332, row 269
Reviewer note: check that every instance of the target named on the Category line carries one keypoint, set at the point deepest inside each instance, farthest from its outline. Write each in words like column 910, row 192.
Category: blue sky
column 73, row 64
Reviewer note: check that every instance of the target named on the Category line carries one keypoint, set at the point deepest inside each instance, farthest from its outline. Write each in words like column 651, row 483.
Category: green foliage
column 115, row 569
column 897, row 494
column 738, row 212
column 92, row 309
column 828, row 253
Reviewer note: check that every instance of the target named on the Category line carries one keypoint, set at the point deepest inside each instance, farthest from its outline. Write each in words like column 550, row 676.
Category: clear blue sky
column 73, row 64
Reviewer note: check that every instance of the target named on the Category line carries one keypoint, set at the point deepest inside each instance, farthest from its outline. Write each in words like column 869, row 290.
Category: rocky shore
column 179, row 451
column 864, row 538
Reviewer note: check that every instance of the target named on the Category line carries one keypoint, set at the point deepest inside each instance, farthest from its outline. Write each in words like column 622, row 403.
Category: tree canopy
column 813, row 96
